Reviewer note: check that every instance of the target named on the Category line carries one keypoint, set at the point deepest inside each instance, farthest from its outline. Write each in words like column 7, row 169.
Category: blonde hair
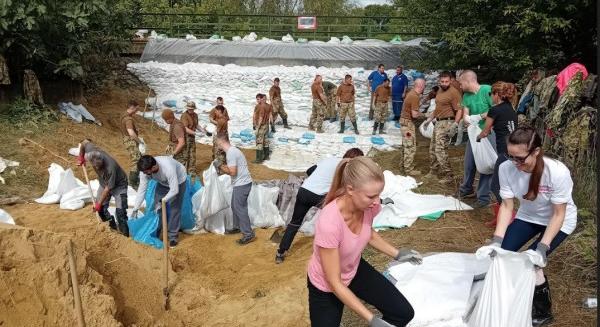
column 354, row 172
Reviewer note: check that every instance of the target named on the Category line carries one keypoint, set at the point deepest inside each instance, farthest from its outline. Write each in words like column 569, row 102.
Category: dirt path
column 214, row 281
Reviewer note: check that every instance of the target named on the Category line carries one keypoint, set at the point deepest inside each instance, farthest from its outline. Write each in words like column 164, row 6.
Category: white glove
column 453, row 129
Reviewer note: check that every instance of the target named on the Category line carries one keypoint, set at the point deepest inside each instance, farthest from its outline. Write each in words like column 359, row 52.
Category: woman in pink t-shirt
column 337, row 275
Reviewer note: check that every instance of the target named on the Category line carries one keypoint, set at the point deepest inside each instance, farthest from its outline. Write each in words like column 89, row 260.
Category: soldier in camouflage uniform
column 261, row 121
column 381, row 98
column 410, row 111
column 189, row 119
column 131, row 141
column 330, row 90
column 176, row 147
column 319, row 105
column 277, row 104
column 220, row 118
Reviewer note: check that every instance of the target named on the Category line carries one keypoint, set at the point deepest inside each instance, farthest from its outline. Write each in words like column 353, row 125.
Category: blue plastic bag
column 247, row 132
column 145, row 229
column 378, row 140
column 170, row 103
column 308, row 136
column 235, row 136
column 304, row 141
column 349, row 139
column 283, row 139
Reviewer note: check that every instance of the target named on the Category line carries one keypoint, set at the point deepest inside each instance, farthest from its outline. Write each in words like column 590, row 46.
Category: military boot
column 266, row 153
column 342, row 126
column 134, row 179
column 375, row 128
column 381, row 131
column 285, row 124
column 355, row 127
column 259, row 156
column 541, row 312
column 273, row 128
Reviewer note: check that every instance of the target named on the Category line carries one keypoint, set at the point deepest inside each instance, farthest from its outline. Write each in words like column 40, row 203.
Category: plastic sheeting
column 262, row 209
column 506, row 298
column 440, row 288
column 408, row 206
column 483, row 151
column 77, row 112
column 249, row 52
column 6, row 218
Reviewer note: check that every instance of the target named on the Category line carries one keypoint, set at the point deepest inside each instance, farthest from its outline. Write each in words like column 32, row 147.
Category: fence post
column 269, row 26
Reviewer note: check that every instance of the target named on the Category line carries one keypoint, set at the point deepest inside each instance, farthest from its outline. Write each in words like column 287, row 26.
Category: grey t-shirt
column 111, row 175
column 236, row 158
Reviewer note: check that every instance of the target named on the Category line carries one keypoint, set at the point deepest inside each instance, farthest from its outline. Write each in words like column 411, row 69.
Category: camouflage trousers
column 438, row 148
column 261, row 136
column 317, row 115
column 278, row 109
column 409, row 144
column 347, row 109
column 218, row 154
column 181, row 156
column 134, row 152
column 381, row 112
column 330, row 110
column 190, row 154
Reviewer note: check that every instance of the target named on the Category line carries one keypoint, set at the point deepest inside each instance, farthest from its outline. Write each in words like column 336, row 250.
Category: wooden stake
column 153, row 114
column 47, row 150
column 146, row 103
column 76, row 294
column 87, row 180
column 165, row 255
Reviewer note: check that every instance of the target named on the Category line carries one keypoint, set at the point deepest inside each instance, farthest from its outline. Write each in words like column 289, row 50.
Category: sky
column 363, row 3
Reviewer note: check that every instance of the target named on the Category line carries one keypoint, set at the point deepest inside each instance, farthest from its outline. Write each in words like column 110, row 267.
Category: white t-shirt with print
column 556, row 187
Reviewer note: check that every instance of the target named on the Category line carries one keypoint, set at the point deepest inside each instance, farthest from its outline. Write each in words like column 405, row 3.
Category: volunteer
column 502, row 117
column 311, row 194
column 337, row 275
column 543, row 187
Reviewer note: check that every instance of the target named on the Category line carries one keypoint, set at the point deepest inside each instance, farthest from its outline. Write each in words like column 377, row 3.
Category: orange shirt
column 383, row 93
column 411, row 103
column 127, row 122
column 447, row 103
column 262, row 114
column 189, row 119
column 176, row 130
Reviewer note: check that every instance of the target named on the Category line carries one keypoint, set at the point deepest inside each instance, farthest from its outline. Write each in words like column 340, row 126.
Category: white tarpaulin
column 506, row 298
column 408, row 206
column 6, row 218
column 439, row 289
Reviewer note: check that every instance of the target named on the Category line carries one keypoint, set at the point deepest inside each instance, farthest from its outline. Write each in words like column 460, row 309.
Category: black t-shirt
column 505, row 122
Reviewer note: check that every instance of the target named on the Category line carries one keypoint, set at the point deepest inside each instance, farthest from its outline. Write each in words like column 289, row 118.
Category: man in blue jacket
column 375, row 79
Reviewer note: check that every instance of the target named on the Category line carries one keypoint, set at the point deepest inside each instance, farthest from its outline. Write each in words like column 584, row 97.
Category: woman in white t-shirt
column 543, row 187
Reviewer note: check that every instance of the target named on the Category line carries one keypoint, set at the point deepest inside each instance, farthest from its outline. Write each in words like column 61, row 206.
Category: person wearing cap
column 176, row 147
column 189, row 119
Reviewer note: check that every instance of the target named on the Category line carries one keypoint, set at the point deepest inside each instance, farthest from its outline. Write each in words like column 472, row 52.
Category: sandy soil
column 214, row 282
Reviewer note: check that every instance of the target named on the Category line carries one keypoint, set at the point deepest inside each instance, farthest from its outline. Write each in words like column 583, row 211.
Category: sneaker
column 246, row 239
column 173, row 244
column 460, row 195
column 279, row 257
column 232, row 231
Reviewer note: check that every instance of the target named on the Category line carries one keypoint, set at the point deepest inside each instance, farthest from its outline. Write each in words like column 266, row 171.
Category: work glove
column 453, row 129
column 542, row 250
column 409, row 255
column 427, row 123
column 495, row 241
column 208, row 133
column 387, row 201
column 81, row 160
column 97, row 207
column 378, row 322
column 254, row 127
column 217, row 164
column 134, row 214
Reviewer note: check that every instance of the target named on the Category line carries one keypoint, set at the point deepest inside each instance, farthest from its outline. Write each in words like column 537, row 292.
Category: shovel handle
column 87, row 181
column 165, row 253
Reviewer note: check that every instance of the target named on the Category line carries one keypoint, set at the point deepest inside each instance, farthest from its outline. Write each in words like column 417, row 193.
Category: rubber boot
column 266, row 153
column 541, row 312
column 355, row 127
column 381, row 131
column 273, row 128
column 342, row 127
column 285, row 124
column 122, row 226
column 134, row 179
column 375, row 128
column 259, row 156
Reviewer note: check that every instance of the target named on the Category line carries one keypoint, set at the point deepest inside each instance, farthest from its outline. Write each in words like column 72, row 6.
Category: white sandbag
column 507, row 294
column 6, row 218
column 262, row 207
column 427, row 132
column 483, row 151
column 310, row 219
column 439, row 288
column 51, row 196
column 142, row 146
column 287, row 38
column 213, row 200
column 75, row 198
column 74, row 151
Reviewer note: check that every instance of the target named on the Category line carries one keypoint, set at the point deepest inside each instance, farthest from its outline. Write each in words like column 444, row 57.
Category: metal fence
column 276, row 26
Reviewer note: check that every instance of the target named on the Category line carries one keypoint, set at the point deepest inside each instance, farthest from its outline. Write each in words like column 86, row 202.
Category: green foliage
column 23, row 113
column 510, row 37
column 68, row 38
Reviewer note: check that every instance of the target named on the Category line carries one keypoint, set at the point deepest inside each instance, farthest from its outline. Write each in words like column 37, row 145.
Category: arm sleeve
column 141, row 191
column 562, row 188
column 328, row 233
column 506, row 191
column 231, row 160
column 173, row 183
column 129, row 123
column 493, row 113
column 310, row 170
column 370, row 78
column 111, row 180
column 178, row 130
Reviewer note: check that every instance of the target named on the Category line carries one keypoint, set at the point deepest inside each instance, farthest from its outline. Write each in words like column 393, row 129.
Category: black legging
column 368, row 285
column 305, row 200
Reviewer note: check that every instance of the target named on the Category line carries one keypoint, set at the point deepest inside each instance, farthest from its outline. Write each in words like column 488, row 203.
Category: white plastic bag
column 262, row 207
column 310, row 219
column 483, row 151
column 426, row 131
column 507, row 294
column 6, row 218
column 142, row 146
column 213, row 199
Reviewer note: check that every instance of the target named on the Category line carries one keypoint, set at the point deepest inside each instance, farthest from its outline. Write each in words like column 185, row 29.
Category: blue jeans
column 397, row 108
column 519, row 232
column 483, row 188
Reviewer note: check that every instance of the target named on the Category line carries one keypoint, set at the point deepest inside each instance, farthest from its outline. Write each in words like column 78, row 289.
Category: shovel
column 87, row 180
column 277, row 235
column 165, row 256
